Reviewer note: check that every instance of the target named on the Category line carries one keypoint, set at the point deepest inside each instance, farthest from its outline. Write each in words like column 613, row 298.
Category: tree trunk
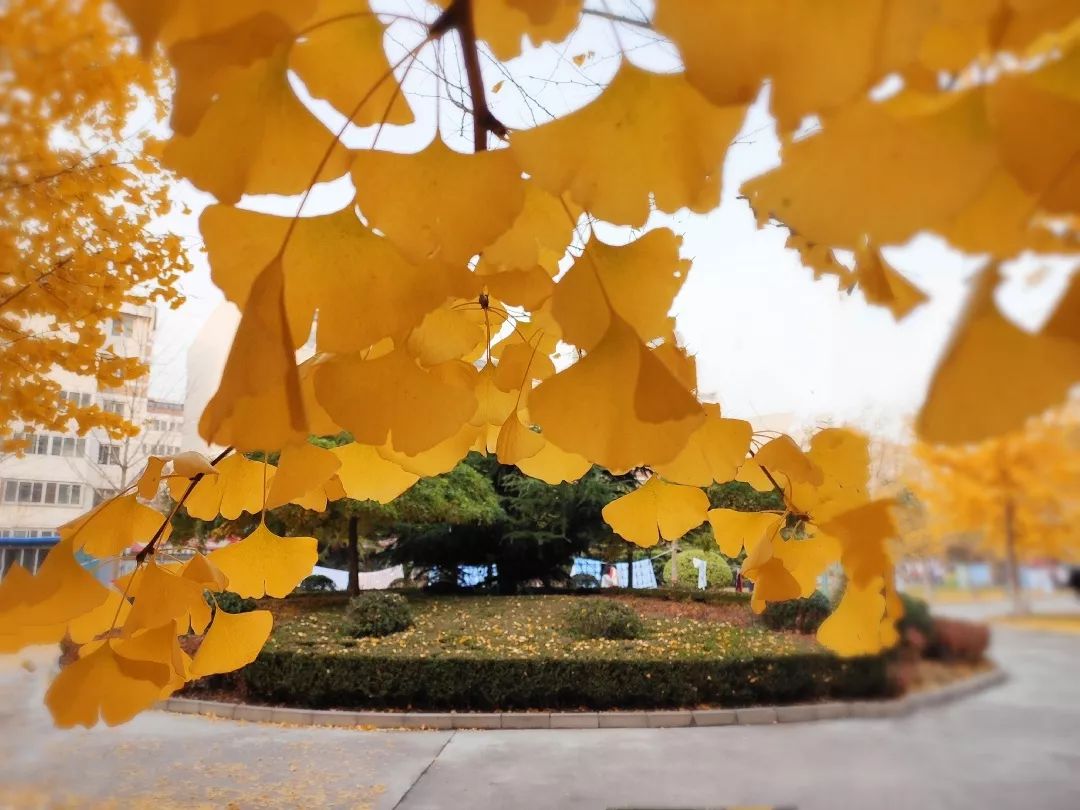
column 630, row 568
column 353, row 550
column 1012, row 563
column 674, row 562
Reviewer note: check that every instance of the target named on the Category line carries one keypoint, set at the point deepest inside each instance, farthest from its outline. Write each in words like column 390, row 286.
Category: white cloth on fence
column 369, row 580
column 702, row 579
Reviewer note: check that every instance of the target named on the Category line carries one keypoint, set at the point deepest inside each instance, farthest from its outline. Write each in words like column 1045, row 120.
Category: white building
column 62, row 475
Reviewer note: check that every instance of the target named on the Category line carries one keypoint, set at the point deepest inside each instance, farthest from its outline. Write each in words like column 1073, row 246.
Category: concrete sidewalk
column 1015, row 746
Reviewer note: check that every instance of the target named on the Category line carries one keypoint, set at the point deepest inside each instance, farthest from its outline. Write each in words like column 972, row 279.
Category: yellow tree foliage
column 79, row 191
column 454, row 308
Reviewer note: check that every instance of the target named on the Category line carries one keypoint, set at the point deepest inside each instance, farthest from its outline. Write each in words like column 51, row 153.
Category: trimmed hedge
column 355, row 681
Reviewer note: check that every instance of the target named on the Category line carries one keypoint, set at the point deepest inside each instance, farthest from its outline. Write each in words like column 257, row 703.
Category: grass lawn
column 533, row 627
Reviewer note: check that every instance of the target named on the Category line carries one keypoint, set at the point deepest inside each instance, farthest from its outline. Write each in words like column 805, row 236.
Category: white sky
column 767, row 337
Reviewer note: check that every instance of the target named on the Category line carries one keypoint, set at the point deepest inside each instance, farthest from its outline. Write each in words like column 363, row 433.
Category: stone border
column 678, row 718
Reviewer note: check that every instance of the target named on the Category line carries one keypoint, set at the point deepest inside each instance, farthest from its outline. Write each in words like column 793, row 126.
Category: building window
column 48, row 492
column 76, row 399
column 112, row 406
column 108, row 454
column 46, row 445
column 102, row 495
column 124, row 325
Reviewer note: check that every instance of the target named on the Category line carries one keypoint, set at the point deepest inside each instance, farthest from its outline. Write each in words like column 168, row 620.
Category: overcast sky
column 767, row 337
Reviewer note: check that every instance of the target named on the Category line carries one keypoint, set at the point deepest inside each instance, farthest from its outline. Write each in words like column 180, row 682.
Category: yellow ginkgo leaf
column 437, row 203
column 656, row 510
column 392, row 394
column 713, row 453
column 264, row 564
column 150, row 479
column 772, row 583
column 854, row 628
column 673, row 138
column 174, row 21
column 189, row 464
column 638, row 280
column 258, row 402
column 199, row 569
column 239, row 486
column 113, row 526
column 60, row 591
column 516, row 441
column 503, row 23
column 436, row 460
column 493, row 405
column 519, row 288
column 328, row 260
column 882, row 285
column 806, row 558
column 520, row 364
column 162, row 596
column 553, row 465
column 751, row 473
column 111, row 613
column 257, row 138
column 734, row 530
column 538, row 237
column 618, row 406
column 302, row 468
column 782, row 457
column 445, row 334
column 341, row 59
column 863, row 534
column 233, row 641
column 366, row 475
column 933, row 154
column 967, row 401
column 843, row 456
column 106, row 685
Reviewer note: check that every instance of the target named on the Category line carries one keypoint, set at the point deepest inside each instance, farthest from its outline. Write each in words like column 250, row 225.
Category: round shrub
column 801, row 615
column 717, row 569
column 316, row 583
column 604, row 618
column 230, row 602
column 377, row 613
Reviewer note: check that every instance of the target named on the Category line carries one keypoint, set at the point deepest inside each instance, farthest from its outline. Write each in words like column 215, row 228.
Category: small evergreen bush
column 316, row 583
column 800, row 615
column 377, row 613
column 230, row 602
column 604, row 618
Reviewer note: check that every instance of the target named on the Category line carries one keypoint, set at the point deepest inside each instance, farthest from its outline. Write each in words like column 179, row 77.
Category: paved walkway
column 1015, row 746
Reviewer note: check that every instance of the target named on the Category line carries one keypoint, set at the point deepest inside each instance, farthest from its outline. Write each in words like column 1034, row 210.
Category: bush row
column 355, row 681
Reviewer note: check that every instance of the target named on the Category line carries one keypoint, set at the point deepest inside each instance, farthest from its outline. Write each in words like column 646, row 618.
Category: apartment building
column 62, row 474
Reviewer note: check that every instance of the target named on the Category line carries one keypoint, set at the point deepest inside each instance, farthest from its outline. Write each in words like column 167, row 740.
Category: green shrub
column 377, row 613
column 603, row 618
column 230, row 602
column 916, row 617
column 801, row 615
column 356, row 681
column 316, row 583
column 717, row 569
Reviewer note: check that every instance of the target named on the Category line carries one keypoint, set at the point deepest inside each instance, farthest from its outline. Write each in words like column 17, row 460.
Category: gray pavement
column 1015, row 746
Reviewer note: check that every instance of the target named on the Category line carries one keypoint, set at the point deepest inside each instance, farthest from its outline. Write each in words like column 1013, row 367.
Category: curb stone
column 677, row 718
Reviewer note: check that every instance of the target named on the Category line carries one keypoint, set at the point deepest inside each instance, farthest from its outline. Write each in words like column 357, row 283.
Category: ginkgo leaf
column 503, row 23
column 805, row 559
column 781, row 456
column 863, row 534
column 854, row 628
column 264, row 564
column 772, row 582
column 199, row 569
column 1042, row 158
column 734, row 530
column 436, row 460
column 150, row 479
column 162, row 596
column 656, row 510
column 302, row 468
column 233, row 641
column 519, row 288
column 189, row 464
column 392, row 394
column 172, row 21
column 967, row 401
column 639, row 281
column 446, row 334
column 112, row 526
column 258, row 402
column 553, row 465
column 673, row 138
column 538, row 237
column 437, row 203
column 493, row 405
column 819, row 54
column 111, row 613
column 366, row 476
column 713, row 453
column 843, row 456
column 751, row 473
column 520, row 364
column 618, row 406
column 239, row 486
column 257, row 138
column 516, row 441
column 328, row 261
column 106, row 685
column 341, row 59
column 933, row 154
column 60, row 591
column 883, row 285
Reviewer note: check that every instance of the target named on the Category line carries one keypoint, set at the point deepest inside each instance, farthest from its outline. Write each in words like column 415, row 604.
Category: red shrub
column 957, row 640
